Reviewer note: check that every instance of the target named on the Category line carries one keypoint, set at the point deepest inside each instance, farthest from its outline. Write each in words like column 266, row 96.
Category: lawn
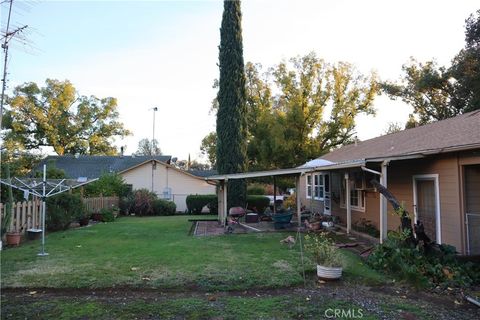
column 157, row 252
column 150, row 268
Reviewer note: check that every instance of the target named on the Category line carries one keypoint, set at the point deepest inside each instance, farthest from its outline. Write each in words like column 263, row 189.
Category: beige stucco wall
column 182, row 184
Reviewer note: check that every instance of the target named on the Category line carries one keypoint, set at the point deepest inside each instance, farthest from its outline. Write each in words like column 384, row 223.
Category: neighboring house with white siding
column 140, row 172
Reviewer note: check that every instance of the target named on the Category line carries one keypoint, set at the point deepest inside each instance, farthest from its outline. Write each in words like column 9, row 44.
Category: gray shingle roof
column 437, row 137
column 203, row 173
column 93, row 166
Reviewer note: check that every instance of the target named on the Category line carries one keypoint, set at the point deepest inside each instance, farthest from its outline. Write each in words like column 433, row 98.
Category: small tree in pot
column 325, row 254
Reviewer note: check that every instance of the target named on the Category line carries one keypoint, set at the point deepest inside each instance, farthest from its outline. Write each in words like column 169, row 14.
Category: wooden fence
column 94, row 205
column 27, row 215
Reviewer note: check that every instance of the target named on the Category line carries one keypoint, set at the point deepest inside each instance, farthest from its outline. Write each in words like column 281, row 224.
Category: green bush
column 256, row 189
column 196, row 202
column 109, row 184
column 257, row 203
column 141, row 202
column 107, row 215
column 62, row 210
column 422, row 269
column 164, row 207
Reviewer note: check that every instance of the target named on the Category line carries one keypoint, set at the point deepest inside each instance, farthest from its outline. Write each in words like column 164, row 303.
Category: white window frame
column 320, row 184
column 309, row 196
column 360, row 196
column 438, row 218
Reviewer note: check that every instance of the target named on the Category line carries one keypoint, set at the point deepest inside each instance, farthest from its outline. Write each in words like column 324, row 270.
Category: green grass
column 234, row 307
column 157, row 252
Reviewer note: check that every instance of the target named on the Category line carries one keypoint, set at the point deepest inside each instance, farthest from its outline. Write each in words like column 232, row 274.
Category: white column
column 383, row 204
column 347, row 203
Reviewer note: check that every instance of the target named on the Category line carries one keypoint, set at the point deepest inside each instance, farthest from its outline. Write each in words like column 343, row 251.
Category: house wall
column 181, row 184
column 400, row 183
column 313, row 205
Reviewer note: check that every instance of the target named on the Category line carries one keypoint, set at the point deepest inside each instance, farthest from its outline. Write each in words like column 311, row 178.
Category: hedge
column 257, row 203
column 196, row 202
column 63, row 209
column 163, row 207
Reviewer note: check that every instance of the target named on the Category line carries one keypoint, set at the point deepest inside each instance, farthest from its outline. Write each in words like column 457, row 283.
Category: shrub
column 196, row 202
column 290, row 202
column 256, row 189
column 257, row 203
column 164, row 207
column 142, row 202
column 367, row 227
column 62, row 210
column 422, row 269
column 109, row 184
column 107, row 215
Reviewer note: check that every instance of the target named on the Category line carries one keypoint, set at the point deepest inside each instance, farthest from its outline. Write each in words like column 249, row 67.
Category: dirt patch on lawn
column 378, row 302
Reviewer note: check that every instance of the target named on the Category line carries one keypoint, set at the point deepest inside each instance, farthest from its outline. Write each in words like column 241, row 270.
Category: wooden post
column 383, row 204
column 347, row 203
column 24, row 215
column 225, row 204
column 29, row 214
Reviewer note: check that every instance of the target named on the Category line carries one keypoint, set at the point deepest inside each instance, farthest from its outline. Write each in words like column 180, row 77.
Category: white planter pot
column 329, row 272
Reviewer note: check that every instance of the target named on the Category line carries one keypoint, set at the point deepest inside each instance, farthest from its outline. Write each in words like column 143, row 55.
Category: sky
column 164, row 54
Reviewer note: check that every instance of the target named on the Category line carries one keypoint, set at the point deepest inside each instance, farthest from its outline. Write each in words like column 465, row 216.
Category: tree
column 393, row 127
column 428, row 88
column 148, row 148
column 209, row 148
column 466, row 68
column 439, row 92
column 290, row 127
column 231, row 115
column 57, row 116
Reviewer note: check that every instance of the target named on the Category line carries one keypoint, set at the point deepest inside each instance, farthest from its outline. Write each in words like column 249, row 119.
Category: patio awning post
column 347, row 202
column 383, row 204
column 225, row 206
column 297, row 198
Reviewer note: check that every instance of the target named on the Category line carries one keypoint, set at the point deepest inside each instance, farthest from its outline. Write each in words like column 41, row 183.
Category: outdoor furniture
column 282, row 220
column 234, row 215
column 251, row 217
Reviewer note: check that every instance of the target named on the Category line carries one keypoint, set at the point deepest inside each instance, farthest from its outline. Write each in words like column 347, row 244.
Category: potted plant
column 325, row 254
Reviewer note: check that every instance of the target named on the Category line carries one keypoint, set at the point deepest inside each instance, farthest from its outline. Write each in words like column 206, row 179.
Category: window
column 357, row 197
column 318, row 186
column 309, row 186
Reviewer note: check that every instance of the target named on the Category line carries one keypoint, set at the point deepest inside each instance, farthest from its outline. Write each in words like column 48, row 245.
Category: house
column 433, row 170
column 155, row 174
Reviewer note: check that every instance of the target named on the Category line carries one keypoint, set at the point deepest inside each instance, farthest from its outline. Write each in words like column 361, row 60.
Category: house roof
column 458, row 133
column 203, row 173
column 93, row 166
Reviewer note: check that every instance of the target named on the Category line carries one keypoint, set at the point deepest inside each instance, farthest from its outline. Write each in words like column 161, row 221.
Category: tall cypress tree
column 231, row 117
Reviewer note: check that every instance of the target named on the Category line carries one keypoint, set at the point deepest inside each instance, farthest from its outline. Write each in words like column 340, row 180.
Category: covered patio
column 345, row 169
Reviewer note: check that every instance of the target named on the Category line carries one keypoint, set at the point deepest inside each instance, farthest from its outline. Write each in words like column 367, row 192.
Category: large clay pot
column 329, row 273
column 13, row 238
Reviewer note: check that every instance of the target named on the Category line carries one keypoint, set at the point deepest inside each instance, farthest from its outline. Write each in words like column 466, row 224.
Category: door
column 326, row 197
column 471, row 178
column 426, row 204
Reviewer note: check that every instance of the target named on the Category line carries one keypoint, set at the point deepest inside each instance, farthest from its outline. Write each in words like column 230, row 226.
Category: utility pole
column 6, row 38
column 155, row 109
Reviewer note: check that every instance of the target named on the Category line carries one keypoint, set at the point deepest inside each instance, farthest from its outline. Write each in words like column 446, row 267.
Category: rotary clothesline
column 44, row 188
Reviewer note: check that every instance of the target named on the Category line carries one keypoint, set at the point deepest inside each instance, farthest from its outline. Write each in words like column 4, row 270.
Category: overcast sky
column 164, row 53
